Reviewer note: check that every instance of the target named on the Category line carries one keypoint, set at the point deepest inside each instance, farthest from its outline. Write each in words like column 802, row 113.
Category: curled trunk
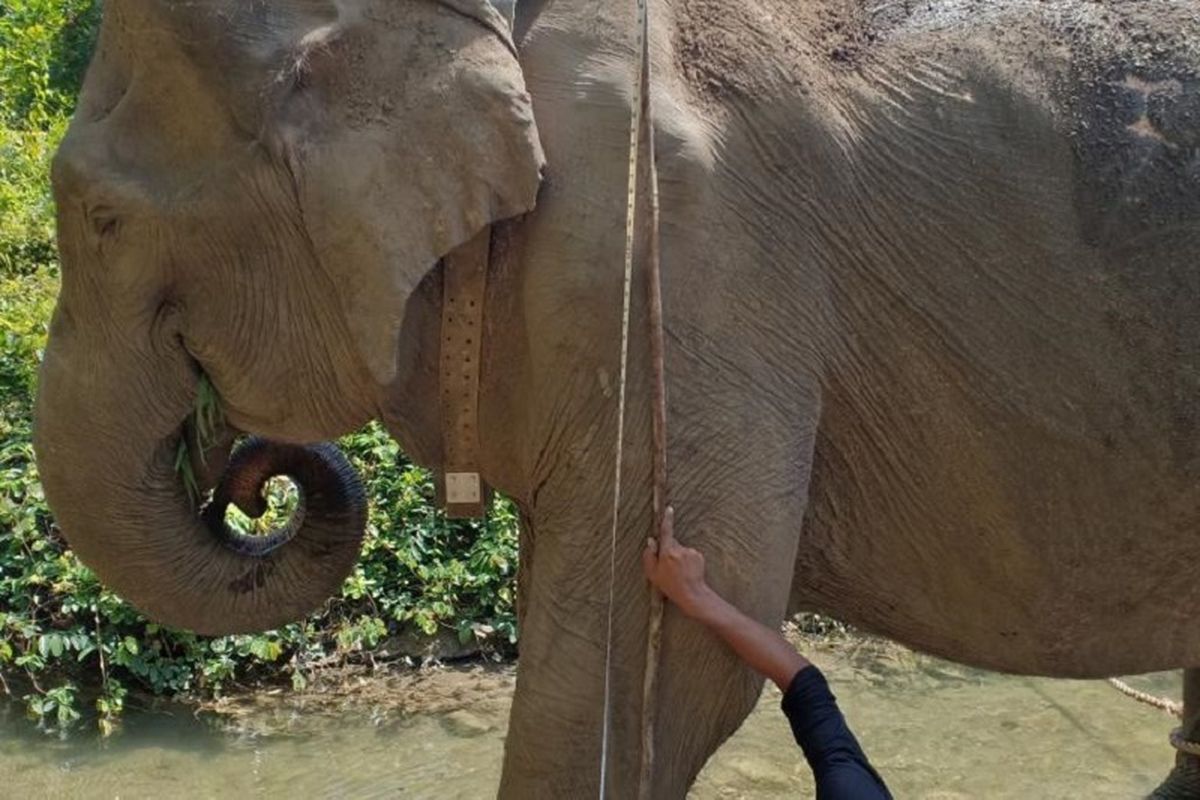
column 118, row 499
column 191, row 570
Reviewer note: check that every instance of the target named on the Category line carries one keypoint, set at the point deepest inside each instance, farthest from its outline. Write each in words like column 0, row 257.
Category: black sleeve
column 839, row 765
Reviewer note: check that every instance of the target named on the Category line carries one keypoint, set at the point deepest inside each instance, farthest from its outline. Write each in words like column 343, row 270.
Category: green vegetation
column 44, row 48
column 70, row 649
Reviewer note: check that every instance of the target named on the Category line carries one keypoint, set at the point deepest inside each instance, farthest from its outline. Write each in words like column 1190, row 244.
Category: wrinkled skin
column 930, row 303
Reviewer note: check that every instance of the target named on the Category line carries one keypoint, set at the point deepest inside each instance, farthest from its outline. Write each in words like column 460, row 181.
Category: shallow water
column 935, row 730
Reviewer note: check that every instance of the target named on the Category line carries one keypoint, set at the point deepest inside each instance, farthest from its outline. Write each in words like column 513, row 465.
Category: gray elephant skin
column 932, row 321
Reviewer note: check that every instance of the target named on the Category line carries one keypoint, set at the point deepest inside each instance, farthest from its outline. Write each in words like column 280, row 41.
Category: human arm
column 839, row 765
column 678, row 572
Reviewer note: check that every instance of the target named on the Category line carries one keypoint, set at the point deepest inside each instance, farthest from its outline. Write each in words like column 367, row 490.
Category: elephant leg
column 705, row 692
column 1184, row 781
column 739, row 494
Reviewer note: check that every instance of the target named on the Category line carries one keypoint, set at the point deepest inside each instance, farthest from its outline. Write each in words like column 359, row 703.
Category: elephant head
column 248, row 193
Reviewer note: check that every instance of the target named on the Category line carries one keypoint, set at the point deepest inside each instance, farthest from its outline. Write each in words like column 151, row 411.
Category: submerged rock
column 465, row 724
column 762, row 772
column 442, row 646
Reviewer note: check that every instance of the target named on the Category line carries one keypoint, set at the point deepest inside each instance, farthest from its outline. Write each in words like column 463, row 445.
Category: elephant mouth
column 223, row 468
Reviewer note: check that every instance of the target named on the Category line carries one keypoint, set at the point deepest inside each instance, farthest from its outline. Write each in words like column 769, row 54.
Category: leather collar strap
column 462, row 492
column 464, row 281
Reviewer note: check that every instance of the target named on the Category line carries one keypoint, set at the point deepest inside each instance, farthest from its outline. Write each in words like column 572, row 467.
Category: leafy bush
column 26, row 212
column 44, row 48
column 63, row 636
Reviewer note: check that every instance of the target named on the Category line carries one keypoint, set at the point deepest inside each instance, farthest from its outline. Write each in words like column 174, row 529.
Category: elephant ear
column 407, row 129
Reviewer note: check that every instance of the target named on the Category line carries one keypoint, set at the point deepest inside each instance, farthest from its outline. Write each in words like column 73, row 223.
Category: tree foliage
column 44, row 48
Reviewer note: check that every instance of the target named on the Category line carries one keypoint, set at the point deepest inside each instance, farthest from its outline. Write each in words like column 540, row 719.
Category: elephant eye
column 105, row 222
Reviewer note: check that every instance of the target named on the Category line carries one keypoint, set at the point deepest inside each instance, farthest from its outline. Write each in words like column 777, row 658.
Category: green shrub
column 26, row 211
column 44, row 48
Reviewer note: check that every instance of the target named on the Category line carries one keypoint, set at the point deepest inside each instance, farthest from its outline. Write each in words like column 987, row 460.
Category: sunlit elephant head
column 247, row 195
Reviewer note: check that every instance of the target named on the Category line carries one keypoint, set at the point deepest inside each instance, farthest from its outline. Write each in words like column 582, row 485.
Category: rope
column 635, row 126
column 1183, row 744
column 1178, row 740
column 1161, row 703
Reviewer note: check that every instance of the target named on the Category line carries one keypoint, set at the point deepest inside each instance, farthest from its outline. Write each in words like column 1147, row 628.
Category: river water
column 935, row 730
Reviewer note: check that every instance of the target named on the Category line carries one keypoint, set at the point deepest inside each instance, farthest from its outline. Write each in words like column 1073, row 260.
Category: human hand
column 677, row 571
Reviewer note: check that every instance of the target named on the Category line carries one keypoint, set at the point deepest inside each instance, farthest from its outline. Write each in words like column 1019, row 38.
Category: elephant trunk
column 107, row 456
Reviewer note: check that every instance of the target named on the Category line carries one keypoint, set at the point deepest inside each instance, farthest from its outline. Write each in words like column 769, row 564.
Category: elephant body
column 929, row 295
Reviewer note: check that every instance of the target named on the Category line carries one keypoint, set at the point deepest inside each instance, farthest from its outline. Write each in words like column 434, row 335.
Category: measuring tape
column 640, row 118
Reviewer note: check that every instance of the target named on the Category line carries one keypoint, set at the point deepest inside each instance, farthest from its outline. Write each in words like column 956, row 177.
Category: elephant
column 929, row 286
